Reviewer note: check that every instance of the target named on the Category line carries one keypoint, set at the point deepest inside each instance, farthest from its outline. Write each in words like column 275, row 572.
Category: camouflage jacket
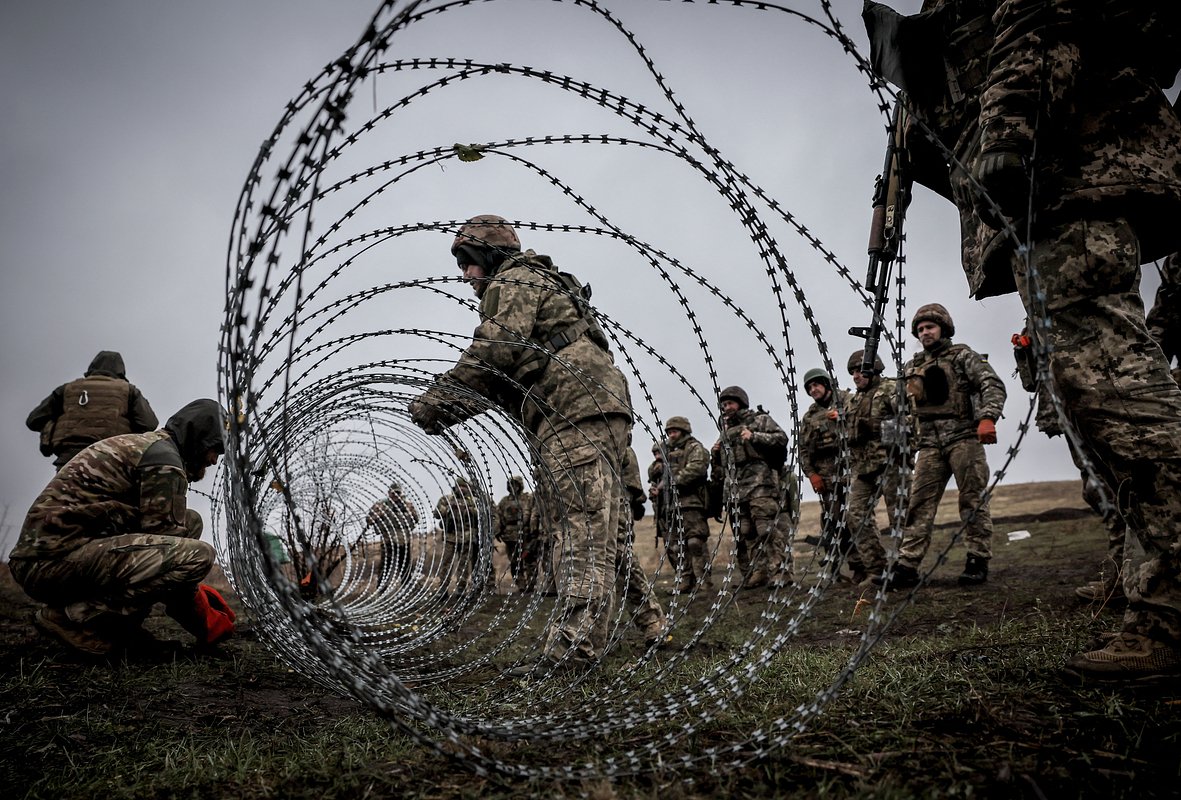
column 1164, row 318
column 514, row 518
column 537, row 353
column 952, row 388
column 459, row 514
column 1082, row 73
column 688, row 462
column 819, row 436
column 133, row 483
column 757, row 463
column 392, row 518
column 868, row 409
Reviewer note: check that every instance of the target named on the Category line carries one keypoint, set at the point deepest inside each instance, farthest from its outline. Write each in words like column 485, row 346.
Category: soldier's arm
column 162, row 498
column 47, row 410
column 765, row 432
column 805, row 448
column 140, row 413
column 696, row 467
column 983, row 379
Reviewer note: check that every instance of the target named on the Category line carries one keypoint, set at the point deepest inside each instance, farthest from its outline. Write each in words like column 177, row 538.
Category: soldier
column 956, row 398
column 688, row 472
column 656, row 493
column 647, row 614
column 1107, row 169
column 541, row 356
column 393, row 518
column 100, row 404
column 819, row 448
column 514, row 514
column 873, row 426
column 110, row 536
column 459, row 517
column 756, row 449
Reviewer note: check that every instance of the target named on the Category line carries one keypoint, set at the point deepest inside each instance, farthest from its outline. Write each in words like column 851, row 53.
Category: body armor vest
column 93, row 408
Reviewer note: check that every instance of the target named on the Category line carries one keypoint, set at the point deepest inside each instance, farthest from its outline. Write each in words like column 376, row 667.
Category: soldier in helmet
column 956, row 398
column 393, row 518
column 458, row 513
column 99, row 404
column 541, row 356
column 514, row 516
column 873, row 420
column 754, row 446
column 819, row 448
column 685, row 470
column 110, row 536
column 1066, row 97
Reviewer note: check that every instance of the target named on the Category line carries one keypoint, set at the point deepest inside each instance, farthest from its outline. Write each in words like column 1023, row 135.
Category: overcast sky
column 130, row 126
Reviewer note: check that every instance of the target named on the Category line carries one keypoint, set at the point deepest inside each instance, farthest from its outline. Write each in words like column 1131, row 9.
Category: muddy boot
column 1101, row 591
column 975, row 571
column 85, row 639
column 756, row 580
column 1128, row 658
column 903, row 577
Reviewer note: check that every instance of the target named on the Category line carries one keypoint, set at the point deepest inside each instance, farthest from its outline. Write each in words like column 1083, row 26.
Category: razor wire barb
column 322, row 383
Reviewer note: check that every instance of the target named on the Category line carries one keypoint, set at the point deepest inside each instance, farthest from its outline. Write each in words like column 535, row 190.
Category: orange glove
column 817, row 482
column 833, row 414
column 214, row 618
column 986, row 431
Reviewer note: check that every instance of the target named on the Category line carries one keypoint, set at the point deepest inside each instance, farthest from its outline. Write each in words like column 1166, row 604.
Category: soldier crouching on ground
column 540, row 355
column 756, row 449
column 111, row 535
column 943, row 383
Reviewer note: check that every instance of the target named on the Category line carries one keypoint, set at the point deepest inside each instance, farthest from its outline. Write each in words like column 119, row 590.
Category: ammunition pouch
column 1026, row 367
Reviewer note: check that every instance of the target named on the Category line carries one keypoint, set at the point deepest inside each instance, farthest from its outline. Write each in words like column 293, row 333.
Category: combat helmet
column 516, row 484
column 485, row 239
column 817, row 374
column 856, row 358
column 735, row 393
column 933, row 312
column 680, row 423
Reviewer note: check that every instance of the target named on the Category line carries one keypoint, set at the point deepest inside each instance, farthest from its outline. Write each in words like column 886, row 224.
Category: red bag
column 213, row 616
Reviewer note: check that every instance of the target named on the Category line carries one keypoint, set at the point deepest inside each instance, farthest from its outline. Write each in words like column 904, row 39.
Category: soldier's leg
column 676, row 549
column 1114, row 381
column 585, row 464
column 970, row 467
column 761, row 541
column 862, row 522
column 696, row 536
column 931, row 474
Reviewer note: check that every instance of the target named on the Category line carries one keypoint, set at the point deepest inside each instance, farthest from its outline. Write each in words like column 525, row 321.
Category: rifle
column 891, row 196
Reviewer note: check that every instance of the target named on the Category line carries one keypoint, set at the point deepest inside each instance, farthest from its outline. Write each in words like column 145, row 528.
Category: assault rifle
column 891, row 196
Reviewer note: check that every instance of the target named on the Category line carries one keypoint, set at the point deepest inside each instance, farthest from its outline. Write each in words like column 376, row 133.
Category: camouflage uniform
column 648, row 615
column 111, row 535
column 755, row 497
column 100, row 404
column 394, row 518
column 1083, row 80
column 952, row 390
column 459, row 517
column 686, row 470
column 873, row 476
column 540, row 355
column 514, row 517
column 819, row 448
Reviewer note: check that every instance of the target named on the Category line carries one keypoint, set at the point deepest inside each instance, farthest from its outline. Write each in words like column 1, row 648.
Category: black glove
column 638, row 510
column 1003, row 175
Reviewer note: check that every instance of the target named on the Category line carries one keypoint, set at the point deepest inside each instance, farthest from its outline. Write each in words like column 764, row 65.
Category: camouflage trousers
column 459, row 560
column 862, row 516
column 835, row 534
column 122, row 575
column 761, row 548
column 1117, row 391
column 685, row 545
column 582, row 489
column 933, row 468
column 647, row 613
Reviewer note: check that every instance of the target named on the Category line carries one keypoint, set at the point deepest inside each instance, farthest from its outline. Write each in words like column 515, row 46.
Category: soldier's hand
column 986, row 431
column 832, row 414
column 1002, row 174
column 746, row 434
column 817, row 482
column 426, row 416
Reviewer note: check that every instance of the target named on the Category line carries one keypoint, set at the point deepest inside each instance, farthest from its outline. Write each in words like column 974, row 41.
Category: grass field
column 964, row 696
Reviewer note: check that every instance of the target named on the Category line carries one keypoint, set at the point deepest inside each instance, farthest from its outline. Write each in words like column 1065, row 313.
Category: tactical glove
column 1003, row 175
column 426, row 415
column 817, row 482
column 638, row 510
column 986, row 431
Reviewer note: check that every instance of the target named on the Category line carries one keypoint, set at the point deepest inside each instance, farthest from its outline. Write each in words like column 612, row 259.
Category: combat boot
column 756, row 580
column 1128, row 658
column 975, row 571
column 903, row 577
column 1101, row 591
column 84, row 639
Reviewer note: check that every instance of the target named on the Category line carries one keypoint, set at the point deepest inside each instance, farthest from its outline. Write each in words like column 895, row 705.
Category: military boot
column 756, row 580
column 975, row 571
column 1101, row 591
column 88, row 640
column 903, row 577
column 1128, row 657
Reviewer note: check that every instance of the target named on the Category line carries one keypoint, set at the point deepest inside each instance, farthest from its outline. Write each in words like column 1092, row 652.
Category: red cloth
column 817, row 482
column 986, row 431
column 213, row 616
